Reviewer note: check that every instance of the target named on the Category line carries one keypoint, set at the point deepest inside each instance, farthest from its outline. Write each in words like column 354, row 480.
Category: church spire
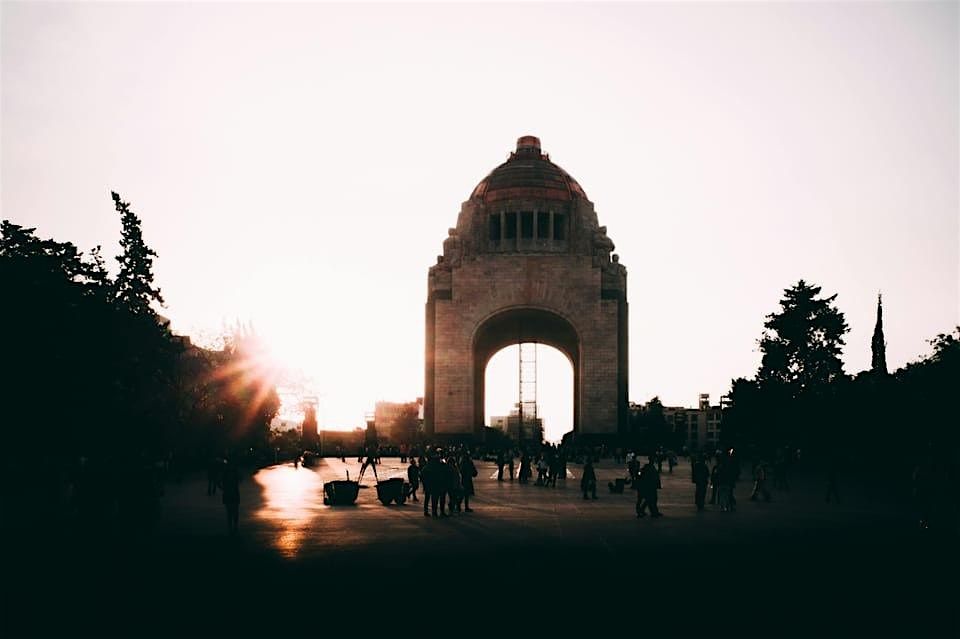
column 879, row 346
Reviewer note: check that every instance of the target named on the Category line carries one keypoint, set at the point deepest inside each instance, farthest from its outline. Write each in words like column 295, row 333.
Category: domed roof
column 528, row 173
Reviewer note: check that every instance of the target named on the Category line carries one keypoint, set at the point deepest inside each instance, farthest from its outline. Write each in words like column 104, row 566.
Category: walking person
column 648, row 485
column 230, row 484
column 760, row 482
column 700, row 478
column 588, row 483
column 511, row 465
column 371, row 461
column 413, row 476
column 500, row 463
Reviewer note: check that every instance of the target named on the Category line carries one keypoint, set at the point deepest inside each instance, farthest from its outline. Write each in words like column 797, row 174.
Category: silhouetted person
column 467, row 472
column 430, row 476
column 230, row 483
column 649, row 484
column 760, row 482
column 500, row 463
column 588, row 483
column 715, row 483
column 371, row 461
column 633, row 469
column 511, row 466
column 450, row 496
column 700, row 478
column 413, row 476
column 525, row 470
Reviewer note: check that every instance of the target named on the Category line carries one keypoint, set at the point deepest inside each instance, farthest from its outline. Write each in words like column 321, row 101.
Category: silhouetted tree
column 134, row 284
column 802, row 342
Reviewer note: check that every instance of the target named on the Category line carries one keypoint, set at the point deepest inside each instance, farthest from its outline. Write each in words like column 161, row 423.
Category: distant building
column 510, row 424
column 697, row 428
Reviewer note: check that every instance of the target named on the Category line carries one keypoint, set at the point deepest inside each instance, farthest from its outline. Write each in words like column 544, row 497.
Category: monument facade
column 527, row 262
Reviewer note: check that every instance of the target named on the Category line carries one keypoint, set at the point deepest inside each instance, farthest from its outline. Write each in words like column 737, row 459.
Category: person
column 760, row 482
column 671, row 461
column 525, row 470
column 649, row 484
column 230, row 485
column 431, row 474
column 542, row 470
column 296, row 461
column 633, row 469
column 701, row 475
column 467, row 472
column 588, row 483
column 371, row 461
column 451, row 497
column 715, row 482
column 510, row 465
column 500, row 463
column 729, row 472
column 413, row 476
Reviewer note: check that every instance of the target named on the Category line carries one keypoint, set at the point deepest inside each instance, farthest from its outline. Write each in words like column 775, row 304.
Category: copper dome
column 528, row 173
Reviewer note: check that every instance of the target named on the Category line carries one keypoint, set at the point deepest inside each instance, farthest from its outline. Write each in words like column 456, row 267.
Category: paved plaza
column 527, row 557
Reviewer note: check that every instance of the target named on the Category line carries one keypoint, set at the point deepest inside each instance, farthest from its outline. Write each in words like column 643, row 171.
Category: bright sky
column 298, row 166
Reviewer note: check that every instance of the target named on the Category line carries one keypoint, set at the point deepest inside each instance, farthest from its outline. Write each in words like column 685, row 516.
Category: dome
column 528, row 173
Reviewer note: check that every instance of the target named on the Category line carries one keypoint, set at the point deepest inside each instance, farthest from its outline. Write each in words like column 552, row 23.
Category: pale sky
column 298, row 166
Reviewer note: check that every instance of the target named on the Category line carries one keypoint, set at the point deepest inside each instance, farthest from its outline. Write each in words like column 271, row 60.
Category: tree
column 405, row 425
column 802, row 343
column 134, row 284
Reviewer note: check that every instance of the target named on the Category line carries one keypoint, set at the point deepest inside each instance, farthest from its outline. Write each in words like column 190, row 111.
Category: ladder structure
column 527, row 405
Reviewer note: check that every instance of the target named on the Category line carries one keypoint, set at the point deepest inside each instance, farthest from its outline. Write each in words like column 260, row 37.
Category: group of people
column 447, row 480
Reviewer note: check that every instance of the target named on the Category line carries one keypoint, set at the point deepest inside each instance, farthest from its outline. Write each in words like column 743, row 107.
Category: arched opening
column 556, row 338
column 553, row 385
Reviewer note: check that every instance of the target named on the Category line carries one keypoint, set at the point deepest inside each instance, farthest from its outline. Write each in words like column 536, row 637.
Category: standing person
column 525, row 470
column 649, row 484
column 467, row 472
column 431, row 475
column 760, row 482
column 500, row 462
column 728, row 481
column 230, row 484
column 450, row 488
column 633, row 469
column 701, row 475
column 413, row 476
column 588, row 483
column 715, row 483
column 511, row 465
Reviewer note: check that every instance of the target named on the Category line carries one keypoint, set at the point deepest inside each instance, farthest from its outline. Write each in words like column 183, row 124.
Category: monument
column 527, row 262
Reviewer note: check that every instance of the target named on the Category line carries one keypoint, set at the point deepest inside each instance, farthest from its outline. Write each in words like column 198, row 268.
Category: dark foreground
column 531, row 560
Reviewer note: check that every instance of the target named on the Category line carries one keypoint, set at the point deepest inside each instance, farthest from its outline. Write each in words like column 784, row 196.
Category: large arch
column 527, row 261
column 514, row 326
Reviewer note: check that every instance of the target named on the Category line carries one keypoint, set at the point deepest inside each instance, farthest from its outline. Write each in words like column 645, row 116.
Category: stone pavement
column 283, row 511
column 529, row 559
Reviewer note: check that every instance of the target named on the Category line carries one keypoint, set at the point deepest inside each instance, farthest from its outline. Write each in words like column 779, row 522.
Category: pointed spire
column 879, row 346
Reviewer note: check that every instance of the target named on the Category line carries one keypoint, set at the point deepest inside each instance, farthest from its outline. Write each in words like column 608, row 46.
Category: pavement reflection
column 292, row 498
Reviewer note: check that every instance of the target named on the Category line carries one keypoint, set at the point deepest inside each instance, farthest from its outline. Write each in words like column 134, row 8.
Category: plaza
column 528, row 557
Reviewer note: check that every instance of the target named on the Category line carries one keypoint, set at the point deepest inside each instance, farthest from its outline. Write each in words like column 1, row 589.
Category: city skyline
column 293, row 175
